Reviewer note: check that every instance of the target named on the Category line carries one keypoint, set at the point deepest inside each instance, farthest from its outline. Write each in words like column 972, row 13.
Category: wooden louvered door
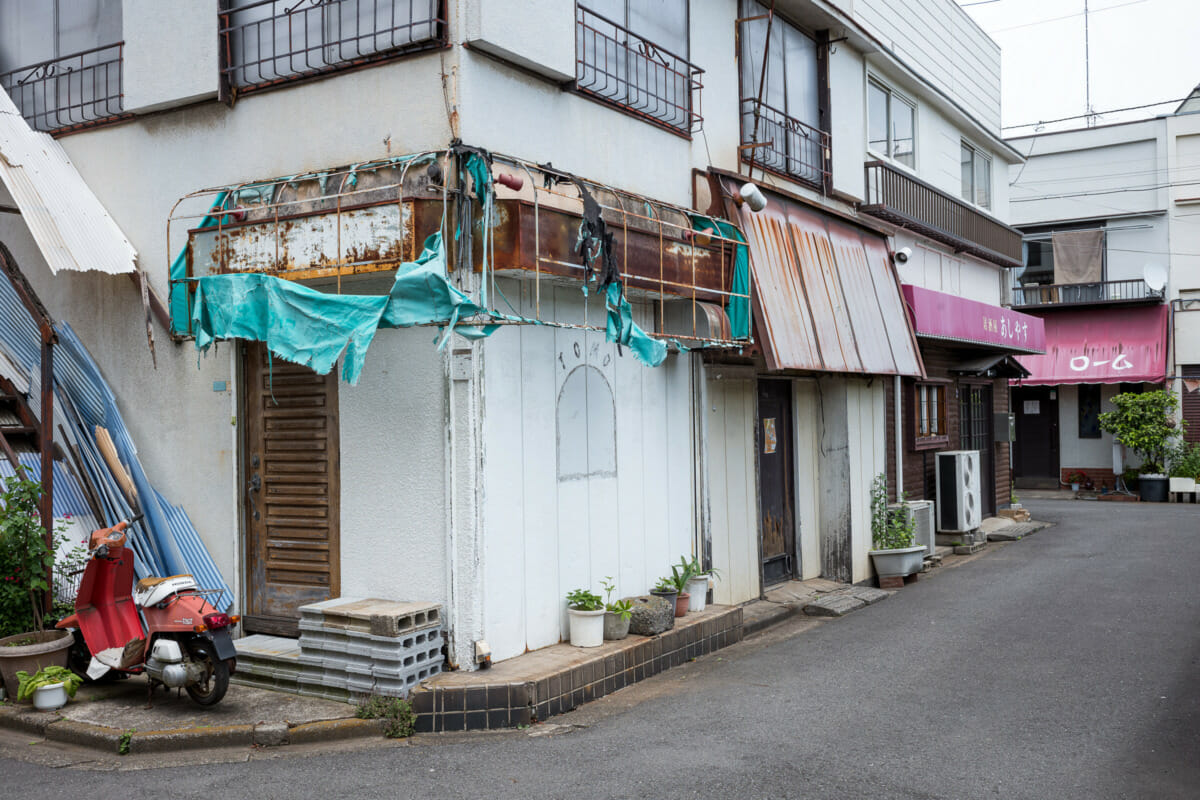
column 291, row 487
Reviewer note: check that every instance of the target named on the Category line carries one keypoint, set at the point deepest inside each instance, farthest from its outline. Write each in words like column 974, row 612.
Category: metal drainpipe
column 899, row 427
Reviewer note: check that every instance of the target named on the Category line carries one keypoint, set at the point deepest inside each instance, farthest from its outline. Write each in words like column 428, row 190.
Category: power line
column 977, row 3
column 1150, row 188
column 1094, row 113
column 1067, row 16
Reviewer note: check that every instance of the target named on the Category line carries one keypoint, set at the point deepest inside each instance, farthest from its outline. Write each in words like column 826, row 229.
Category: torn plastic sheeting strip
column 622, row 330
column 177, row 295
column 312, row 328
column 738, row 307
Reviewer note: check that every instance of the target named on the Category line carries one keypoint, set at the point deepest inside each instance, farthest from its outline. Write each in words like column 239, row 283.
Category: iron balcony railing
column 71, row 91
column 272, row 41
column 900, row 198
column 783, row 144
column 616, row 65
column 1079, row 294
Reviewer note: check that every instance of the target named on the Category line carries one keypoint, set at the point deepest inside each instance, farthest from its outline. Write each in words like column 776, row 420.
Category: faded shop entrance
column 776, row 474
column 291, row 481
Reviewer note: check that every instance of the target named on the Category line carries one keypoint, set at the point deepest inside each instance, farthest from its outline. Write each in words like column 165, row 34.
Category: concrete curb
column 108, row 740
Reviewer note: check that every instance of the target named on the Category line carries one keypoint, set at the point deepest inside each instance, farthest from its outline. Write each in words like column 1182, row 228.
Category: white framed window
column 976, row 176
column 891, row 124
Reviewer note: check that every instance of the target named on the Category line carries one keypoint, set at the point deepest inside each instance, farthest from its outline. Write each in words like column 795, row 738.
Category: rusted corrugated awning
column 826, row 296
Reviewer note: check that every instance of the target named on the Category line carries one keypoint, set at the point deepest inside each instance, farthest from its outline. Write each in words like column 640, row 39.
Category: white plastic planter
column 697, row 589
column 48, row 698
column 1183, row 484
column 587, row 627
column 898, row 563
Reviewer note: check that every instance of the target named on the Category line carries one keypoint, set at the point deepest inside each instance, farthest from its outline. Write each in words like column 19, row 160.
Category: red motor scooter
column 184, row 640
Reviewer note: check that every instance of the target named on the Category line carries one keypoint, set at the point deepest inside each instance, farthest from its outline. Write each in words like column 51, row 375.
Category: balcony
column 1127, row 292
column 897, row 197
column 782, row 144
column 616, row 66
column 69, row 92
column 275, row 41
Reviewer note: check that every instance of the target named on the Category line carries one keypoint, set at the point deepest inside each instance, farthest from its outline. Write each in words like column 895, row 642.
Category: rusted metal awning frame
column 548, row 191
column 37, row 312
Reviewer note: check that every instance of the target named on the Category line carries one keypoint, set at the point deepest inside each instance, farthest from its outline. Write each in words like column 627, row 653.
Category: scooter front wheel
column 212, row 688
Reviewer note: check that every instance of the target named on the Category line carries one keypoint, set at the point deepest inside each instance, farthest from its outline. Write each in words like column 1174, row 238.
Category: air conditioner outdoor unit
column 959, row 502
column 920, row 512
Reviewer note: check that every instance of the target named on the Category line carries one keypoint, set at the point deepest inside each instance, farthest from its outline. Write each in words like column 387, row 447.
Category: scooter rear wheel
column 213, row 688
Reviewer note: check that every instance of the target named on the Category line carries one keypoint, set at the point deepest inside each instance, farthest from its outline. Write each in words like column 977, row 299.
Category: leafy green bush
column 1145, row 423
column 24, row 557
column 399, row 720
column 1184, row 459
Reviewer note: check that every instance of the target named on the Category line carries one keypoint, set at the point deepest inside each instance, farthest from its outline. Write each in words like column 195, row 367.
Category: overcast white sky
column 1142, row 51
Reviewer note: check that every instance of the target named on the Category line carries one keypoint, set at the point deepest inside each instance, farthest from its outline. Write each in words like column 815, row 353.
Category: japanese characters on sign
column 1082, row 363
column 1010, row 329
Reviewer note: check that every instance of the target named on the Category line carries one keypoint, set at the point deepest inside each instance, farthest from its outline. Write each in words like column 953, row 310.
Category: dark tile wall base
column 509, row 705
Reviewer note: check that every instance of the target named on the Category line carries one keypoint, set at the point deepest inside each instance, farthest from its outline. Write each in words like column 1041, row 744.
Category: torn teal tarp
column 312, row 328
column 623, row 330
column 738, row 308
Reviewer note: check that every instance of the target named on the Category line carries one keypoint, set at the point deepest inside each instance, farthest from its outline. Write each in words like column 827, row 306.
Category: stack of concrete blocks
column 352, row 647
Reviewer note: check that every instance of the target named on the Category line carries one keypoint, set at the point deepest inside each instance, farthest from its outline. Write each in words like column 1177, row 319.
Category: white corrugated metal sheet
column 70, row 226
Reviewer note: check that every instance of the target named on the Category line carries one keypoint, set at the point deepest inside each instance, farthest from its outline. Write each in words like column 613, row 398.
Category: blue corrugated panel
column 165, row 542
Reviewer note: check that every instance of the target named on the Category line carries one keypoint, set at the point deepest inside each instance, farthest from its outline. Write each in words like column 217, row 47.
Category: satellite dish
column 1155, row 276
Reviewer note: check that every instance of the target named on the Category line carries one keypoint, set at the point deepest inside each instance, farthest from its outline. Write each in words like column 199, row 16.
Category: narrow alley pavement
column 1064, row 665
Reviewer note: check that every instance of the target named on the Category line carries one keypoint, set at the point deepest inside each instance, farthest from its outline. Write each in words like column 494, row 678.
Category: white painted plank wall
column 807, row 439
column 544, row 533
column 730, row 405
column 867, row 431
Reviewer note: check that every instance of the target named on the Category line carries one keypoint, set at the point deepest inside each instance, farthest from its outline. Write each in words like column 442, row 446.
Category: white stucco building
column 493, row 475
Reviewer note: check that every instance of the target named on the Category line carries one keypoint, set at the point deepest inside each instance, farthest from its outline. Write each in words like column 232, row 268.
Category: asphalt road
column 1066, row 665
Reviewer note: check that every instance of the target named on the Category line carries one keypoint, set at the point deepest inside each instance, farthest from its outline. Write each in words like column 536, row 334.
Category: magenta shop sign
column 945, row 316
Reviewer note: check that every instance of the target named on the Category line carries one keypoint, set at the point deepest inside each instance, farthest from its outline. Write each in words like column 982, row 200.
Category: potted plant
column 616, row 615
column 49, row 687
column 1145, row 423
column 25, row 557
column 665, row 588
column 585, row 610
column 682, row 574
column 1076, row 479
column 1185, row 466
column 894, row 555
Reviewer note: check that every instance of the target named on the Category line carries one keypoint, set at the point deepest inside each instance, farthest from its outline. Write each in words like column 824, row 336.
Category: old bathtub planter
column 585, row 612
column 899, row 563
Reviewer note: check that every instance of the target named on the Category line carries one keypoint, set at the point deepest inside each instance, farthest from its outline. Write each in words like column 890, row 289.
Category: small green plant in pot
column 616, row 613
column 892, row 532
column 1184, row 465
column 1145, row 423
column 49, row 687
column 585, row 613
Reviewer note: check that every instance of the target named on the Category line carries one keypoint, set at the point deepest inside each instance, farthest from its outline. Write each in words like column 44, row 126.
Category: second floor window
column 634, row 53
column 781, row 113
column 60, row 60
column 264, row 42
column 976, row 176
column 891, row 125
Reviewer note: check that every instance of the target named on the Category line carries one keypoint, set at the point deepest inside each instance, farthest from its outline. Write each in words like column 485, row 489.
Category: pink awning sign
column 1127, row 345
column 937, row 315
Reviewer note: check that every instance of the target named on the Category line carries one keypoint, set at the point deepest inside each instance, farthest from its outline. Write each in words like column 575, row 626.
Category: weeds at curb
column 124, row 742
column 399, row 721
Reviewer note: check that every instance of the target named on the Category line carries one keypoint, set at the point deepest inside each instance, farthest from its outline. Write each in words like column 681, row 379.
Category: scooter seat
column 152, row 591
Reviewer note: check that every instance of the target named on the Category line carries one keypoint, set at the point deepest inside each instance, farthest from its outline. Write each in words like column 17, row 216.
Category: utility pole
column 1087, row 68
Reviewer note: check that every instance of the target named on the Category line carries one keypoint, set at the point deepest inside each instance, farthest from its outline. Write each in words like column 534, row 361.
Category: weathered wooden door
column 776, row 481
column 291, row 489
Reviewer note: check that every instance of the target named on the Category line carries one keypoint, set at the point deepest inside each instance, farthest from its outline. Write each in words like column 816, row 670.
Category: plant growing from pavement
column 889, row 531
column 583, row 600
column 396, row 713
column 1145, row 423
